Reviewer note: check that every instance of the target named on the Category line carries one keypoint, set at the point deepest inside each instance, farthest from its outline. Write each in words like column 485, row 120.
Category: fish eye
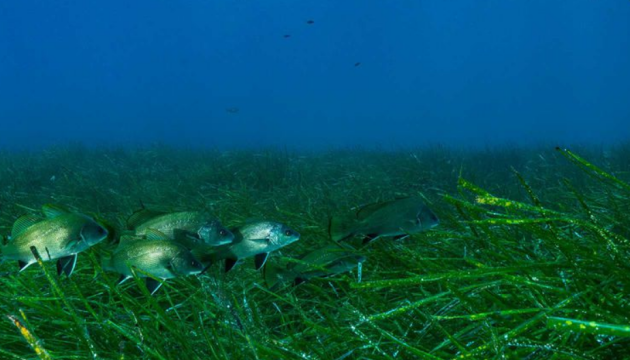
column 222, row 232
column 287, row 232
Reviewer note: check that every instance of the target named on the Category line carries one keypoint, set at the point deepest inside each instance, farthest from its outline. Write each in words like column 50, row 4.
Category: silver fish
column 60, row 236
column 191, row 228
column 255, row 239
column 164, row 259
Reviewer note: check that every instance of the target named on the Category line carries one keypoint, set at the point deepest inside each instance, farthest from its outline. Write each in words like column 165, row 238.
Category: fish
column 310, row 22
column 190, row 228
column 396, row 218
column 162, row 258
column 60, row 236
column 324, row 262
column 256, row 239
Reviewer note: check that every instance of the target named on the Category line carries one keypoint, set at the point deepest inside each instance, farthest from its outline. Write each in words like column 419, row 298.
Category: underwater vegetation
column 531, row 258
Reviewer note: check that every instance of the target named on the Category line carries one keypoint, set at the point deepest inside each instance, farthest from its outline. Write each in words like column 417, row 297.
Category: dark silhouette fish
column 320, row 263
column 397, row 218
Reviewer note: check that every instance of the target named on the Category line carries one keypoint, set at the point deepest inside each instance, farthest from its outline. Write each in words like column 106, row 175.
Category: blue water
column 221, row 73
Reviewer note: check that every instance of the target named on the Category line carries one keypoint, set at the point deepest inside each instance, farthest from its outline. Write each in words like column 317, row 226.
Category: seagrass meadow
column 531, row 259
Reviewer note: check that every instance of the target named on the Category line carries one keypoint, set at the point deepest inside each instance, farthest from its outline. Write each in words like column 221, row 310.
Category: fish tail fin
column 340, row 229
column 275, row 276
column 203, row 256
column 106, row 262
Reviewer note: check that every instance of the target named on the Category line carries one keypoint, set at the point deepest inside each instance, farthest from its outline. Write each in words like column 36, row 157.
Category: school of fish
column 158, row 246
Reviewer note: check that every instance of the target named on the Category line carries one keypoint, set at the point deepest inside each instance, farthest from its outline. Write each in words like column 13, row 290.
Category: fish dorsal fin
column 367, row 210
column 127, row 239
column 141, row 216
column 24, row 223
column 52, row 210
column 152, row 234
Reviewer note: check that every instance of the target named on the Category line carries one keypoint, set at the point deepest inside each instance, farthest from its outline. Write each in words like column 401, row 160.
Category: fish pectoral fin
column 180, row 234
column 122, row 279
column 171, row 268
column 72, row 244
column 66, row 265
column 260, row 260
column 187, row 238
column 369, row 238
column 23, row 264
column 229, row 264
column 152, row 285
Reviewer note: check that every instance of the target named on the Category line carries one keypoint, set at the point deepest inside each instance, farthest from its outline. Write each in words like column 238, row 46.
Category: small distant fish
column 286, row 36
column 232, row 110
column 255, row 239
column 323, row 262
column 357, row 64
column 310, row 22
column 162, row 258
column 60, row 236
column 191, row 228
column 397, row 218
